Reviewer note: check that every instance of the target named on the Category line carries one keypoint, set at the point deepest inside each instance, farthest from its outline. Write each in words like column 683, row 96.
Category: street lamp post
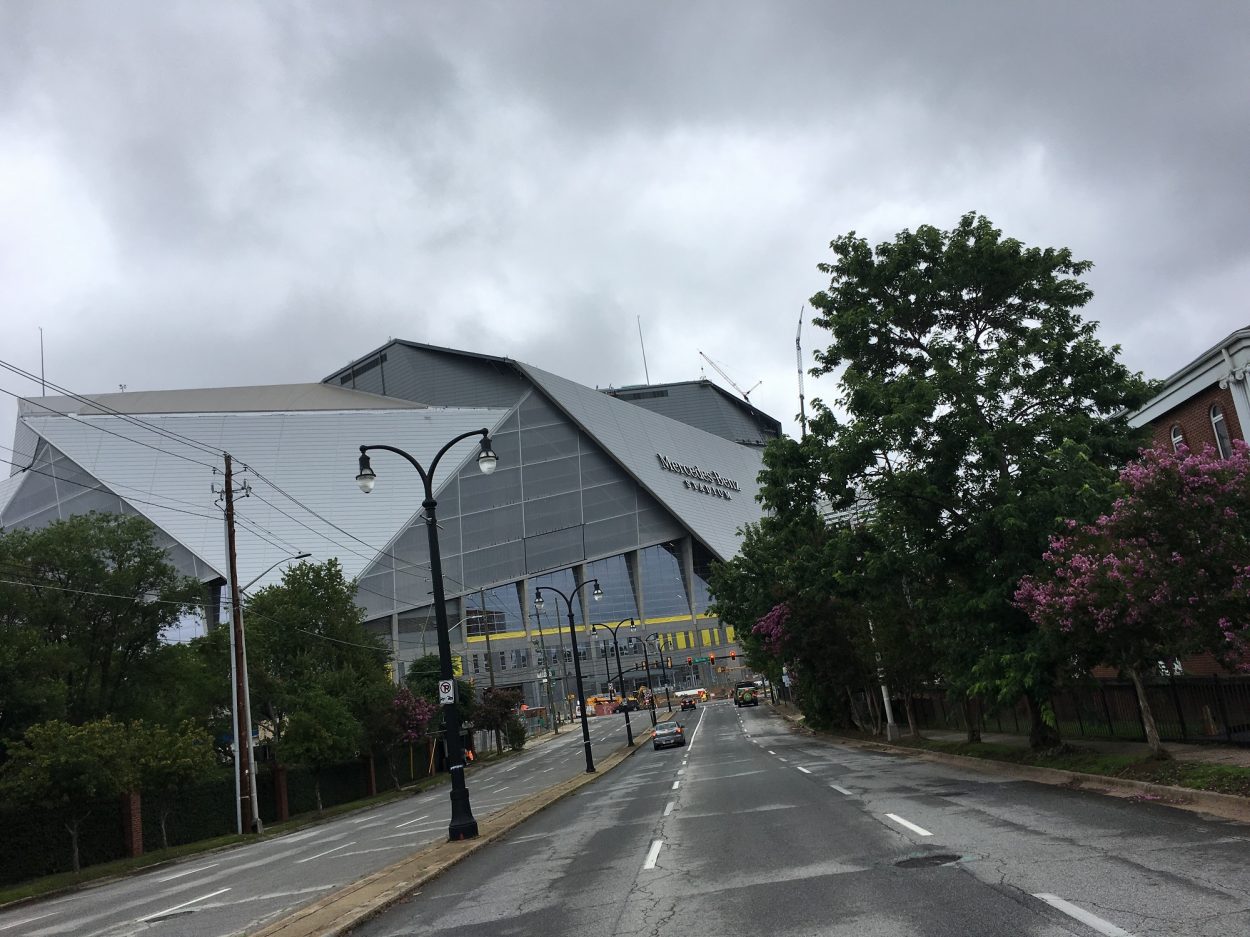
column 659, row 646
column 629, row 732
column 646, row 660
column 540, row 645
column 597, row 594
column 463, row 825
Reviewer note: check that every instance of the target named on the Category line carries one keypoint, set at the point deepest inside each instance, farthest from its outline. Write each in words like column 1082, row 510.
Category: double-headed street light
column 463, row 825
column 629, row 732
column 659, row 646
column 646, row 662
column 577, row 661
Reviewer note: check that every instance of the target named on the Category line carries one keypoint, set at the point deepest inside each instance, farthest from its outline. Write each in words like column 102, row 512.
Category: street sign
column 700, row 660
column 446, row 691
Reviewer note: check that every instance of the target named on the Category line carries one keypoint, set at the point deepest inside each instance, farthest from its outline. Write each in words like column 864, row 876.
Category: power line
column 129, row 418
column 130, row 439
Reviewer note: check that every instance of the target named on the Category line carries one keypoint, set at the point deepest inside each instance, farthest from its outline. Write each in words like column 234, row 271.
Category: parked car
column 667, row 735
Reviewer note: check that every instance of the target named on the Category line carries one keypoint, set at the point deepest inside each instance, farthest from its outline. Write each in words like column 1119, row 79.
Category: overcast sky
column 231, row 193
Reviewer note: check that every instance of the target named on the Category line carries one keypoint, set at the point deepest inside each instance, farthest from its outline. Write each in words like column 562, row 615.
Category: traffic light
column 670, row 663
column 689, row 661
column 733, row 655
column 712, row 659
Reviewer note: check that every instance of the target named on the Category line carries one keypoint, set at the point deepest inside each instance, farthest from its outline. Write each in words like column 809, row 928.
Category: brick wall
column 1195, row 420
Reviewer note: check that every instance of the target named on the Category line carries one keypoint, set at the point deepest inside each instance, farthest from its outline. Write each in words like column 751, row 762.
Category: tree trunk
column 1042, row 735
column 874, row 711
column 972, row 717
column 1148, row 718
column 72, row 826
column 912, row 729
column 164, row 832
column 317, row 789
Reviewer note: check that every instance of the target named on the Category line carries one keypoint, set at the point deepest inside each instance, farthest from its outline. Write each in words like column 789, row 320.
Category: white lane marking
column 1080, row 914
column 785, row 761
column 801, row 768
column 771, row 752
column 326, row 853
column 170, row 878
column 919, row 830
column 411, row 822
column 498, row 789
column 841, row 790
column 676, row 784
column 513, row 768
column 681, row 770
column 698, row 725
column 668, row 808
column 653, row 854
column 179, row 907
column 26, row 920
column 552, row 768
column 367, row 816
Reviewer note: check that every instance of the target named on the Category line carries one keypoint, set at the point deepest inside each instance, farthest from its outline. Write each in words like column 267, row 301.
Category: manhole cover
column 927, row 862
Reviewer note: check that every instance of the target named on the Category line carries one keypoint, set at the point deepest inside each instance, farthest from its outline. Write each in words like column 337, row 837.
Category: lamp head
column 486, row 459
column 597, row 594
column 366, row 478
column 538, row 601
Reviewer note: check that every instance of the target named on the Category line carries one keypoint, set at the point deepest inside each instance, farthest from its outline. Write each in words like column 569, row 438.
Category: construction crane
column 746, row 394
column 798, row 355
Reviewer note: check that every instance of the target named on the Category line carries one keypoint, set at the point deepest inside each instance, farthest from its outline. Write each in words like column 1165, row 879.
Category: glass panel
column 664, row 592
column 618, row 602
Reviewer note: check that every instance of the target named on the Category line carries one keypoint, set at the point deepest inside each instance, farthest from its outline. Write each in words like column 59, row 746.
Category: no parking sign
column 446, row 691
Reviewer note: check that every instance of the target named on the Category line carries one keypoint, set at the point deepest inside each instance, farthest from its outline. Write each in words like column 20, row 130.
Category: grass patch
column 64, row 881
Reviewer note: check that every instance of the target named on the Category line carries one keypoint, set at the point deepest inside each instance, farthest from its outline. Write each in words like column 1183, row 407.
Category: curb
column 352, row 905
column 1226, row 806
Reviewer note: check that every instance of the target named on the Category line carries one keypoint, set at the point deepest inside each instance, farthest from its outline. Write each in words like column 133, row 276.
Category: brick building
column 1207, row 402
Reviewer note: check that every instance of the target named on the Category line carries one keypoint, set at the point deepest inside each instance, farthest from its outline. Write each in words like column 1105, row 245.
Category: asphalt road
column 753, row 829
column 235, row 891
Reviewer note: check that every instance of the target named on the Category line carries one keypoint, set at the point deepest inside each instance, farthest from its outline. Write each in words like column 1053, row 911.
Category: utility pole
column 490, row 658
column 247, row 815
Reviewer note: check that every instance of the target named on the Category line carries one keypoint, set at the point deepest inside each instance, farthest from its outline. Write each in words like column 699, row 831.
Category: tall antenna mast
column 798, row 356
column 644, row 350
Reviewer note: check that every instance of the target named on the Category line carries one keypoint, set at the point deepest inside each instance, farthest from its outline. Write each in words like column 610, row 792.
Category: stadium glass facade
column 589, row 486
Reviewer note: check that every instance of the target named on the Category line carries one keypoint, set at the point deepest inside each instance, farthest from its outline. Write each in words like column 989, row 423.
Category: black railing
column 1186, row 709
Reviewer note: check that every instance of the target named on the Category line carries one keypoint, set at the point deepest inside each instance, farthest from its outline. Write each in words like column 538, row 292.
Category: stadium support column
column 687, row 579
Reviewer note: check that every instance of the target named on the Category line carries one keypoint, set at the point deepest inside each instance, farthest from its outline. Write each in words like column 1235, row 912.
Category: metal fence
column 1186, row 709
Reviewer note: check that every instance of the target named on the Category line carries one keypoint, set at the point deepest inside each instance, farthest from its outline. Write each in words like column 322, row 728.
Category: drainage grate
column 927, row 862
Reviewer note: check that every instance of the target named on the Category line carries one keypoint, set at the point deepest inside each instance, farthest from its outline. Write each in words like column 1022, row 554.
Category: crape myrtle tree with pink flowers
column 975, row 409
column 1164, row 574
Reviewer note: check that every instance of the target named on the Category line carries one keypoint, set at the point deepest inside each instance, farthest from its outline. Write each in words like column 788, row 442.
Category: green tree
column 169, row 761
column 69, row 769
column 496, row 712
column 84, row 603
column 978, row 407
column 320, row 733
column 306, row 643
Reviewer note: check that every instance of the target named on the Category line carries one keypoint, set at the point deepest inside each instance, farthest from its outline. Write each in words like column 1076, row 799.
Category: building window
column 1178, row 437
column 1222, row 440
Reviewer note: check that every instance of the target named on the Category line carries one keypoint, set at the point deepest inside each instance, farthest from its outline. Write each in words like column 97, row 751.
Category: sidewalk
column 1180, row 751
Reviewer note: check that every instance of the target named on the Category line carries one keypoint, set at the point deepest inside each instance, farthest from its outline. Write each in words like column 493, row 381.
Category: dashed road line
column 170, row 878
column 918, row 830
column 411, row 822
column 676, row 784
column 1080, row 914
column 326, row 853
column 841, row 790
column 652, row 854
column 801, row 768
column 179, row 907
column 668, row 808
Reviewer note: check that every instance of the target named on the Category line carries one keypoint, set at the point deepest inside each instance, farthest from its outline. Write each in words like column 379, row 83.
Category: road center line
column 170, row 878
column 919, row 830
column 801, row 768
column 653, row 854
column 411, row 822
column 668, row 808
column 326, row 853
column 26, row 920
column 676, row 784
column 179, row 907
column 771, row 752
column 1080, row 914
column 841, row 790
